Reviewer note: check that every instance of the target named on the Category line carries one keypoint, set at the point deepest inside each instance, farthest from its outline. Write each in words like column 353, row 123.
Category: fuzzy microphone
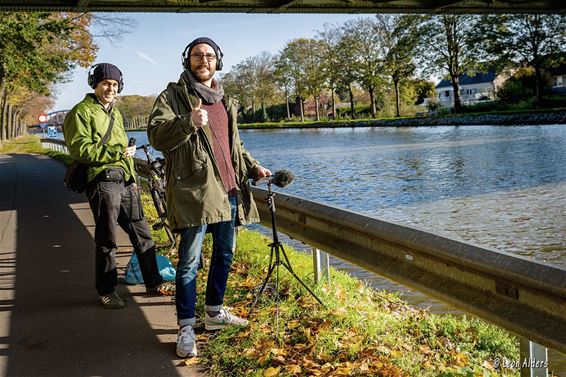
column 281, row 178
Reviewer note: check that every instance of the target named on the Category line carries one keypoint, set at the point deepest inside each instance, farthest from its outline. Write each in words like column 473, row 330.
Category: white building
column 558, row 79
column 473, row 89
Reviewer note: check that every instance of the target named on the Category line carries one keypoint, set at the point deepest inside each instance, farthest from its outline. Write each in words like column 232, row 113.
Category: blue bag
column 133, row 275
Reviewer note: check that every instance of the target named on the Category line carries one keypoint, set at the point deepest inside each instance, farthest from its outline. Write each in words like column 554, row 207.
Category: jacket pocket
column 185, row 171
column 189, row 159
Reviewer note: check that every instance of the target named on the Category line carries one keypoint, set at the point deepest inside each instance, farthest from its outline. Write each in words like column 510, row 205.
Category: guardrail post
column 321, row 264
column 533, row 359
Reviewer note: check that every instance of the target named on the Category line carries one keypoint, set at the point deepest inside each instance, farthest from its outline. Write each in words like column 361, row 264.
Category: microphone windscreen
column 282, row 178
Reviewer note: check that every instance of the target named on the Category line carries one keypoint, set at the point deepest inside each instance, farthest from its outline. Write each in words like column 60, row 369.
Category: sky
column 150, row 55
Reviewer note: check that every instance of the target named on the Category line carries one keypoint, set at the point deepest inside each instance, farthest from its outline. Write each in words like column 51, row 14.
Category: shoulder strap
column 109, row 131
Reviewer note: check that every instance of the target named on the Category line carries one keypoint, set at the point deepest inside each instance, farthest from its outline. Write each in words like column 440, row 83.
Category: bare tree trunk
column 9, row 121
column 302, row 109
column 539, row 84
column 352, row 110
column 456, row 88
column 372, row 102
column 333, row 105
column 317, row 111
column 397, row 99
column 5, row 123
column 3, row 135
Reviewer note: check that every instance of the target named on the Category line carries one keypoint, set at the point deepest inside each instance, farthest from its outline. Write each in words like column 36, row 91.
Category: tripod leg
column 287, row 265
column 269, row 272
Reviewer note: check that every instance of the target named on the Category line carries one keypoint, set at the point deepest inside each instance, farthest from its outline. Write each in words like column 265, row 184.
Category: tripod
column 275, row 256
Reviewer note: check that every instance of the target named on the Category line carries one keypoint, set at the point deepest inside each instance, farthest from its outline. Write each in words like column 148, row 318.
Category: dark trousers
column 113, row 204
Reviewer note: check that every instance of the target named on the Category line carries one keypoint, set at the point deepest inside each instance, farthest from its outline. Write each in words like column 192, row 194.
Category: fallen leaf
column 271, row 372
column 191, row 361
column 293, row 369
column 461, row 359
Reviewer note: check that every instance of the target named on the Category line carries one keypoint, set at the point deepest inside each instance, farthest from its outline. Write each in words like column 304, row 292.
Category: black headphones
column 91, row 79
column 185, row 57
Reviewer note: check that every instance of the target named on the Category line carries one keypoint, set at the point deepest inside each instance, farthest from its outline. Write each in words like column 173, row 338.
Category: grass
column 359, row 332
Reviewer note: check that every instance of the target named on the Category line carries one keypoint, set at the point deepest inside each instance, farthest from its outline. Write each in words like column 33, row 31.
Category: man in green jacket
column 208, row 170
column 95, row 136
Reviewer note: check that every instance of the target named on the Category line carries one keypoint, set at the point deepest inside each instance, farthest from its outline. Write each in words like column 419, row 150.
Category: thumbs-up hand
column 199, row 116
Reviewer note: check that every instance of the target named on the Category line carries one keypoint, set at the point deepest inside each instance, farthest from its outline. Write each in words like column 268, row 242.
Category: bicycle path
column 51, row 322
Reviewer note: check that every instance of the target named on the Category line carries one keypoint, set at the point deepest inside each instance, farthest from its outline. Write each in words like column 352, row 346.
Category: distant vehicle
column 52, row 131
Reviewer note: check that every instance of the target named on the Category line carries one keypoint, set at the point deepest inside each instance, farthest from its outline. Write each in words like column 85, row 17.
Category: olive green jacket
column 84, row 126
column 195, row 194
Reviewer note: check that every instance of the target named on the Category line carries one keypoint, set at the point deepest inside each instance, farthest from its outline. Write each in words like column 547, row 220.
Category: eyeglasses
column 200, row 56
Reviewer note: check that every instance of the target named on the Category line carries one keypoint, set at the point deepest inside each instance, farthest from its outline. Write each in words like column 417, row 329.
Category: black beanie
column 104, row 71
column 206, row 40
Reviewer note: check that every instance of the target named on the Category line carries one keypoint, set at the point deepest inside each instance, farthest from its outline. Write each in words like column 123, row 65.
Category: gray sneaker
column 186, row 342
column 223, row 320
column 112, row 301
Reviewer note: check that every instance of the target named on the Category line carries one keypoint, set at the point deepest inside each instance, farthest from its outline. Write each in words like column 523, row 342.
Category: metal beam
column 290, row 6
column 526, row 297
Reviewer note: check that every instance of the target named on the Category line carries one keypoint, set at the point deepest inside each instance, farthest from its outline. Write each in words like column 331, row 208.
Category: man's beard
column 202, row 76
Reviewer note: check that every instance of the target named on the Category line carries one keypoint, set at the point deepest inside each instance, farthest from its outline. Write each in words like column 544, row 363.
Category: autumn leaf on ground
column 461, row 359
column 191, row 361
column 293, row 369
column 272, row 372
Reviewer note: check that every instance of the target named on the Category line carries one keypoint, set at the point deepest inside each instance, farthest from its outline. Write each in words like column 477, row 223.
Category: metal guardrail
column 523, row 296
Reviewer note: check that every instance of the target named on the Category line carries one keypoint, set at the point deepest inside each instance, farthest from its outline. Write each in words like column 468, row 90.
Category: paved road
column 51, row 323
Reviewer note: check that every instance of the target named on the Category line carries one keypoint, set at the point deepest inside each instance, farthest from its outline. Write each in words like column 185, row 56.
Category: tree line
column 38, row 50
column 385, row 60
column 379, row 64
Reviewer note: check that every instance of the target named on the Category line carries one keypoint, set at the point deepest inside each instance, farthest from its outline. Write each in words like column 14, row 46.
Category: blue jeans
column 190, row 249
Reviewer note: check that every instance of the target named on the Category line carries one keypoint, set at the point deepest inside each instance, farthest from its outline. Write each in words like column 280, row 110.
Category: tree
column 399, row 38
column 534, row 40
column 368, row 55
column 330, row 40
column 340, row 74
column 37, row 49
column 290, row 66
column 252, row 81
column 313, row 52
column 447, row 46
column 283, row 78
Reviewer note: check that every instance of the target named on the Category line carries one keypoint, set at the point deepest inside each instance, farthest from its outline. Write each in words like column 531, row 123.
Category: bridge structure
column 56, row 118
column 290, row 6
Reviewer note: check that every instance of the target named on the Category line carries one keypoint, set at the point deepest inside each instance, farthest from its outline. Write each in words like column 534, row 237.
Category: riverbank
column 499, row 119
column 540, row 117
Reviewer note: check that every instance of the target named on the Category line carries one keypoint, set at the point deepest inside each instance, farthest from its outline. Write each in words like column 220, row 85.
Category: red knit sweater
column 218, row 121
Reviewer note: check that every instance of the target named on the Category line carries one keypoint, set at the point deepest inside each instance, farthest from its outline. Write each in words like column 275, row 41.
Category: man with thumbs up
column 208, row 170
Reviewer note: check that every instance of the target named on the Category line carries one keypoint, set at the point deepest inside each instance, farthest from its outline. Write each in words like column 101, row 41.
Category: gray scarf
column 209, row 95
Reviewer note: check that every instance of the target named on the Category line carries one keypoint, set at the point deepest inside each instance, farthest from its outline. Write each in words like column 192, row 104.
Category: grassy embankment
column 360, row 332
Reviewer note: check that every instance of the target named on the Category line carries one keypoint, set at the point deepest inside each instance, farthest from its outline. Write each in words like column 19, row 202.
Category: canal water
column 502, row 187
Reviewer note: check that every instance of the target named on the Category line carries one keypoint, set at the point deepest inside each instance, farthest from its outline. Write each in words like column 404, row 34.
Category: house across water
column 473, row 89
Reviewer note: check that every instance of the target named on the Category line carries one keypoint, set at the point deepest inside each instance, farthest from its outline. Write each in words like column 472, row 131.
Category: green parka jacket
column 195, row 194
column 84, row 126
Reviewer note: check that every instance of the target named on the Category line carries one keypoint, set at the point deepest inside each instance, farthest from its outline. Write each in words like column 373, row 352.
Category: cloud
column 146, row 57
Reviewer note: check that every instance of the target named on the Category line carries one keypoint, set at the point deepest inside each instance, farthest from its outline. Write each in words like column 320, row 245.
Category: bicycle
column 157, row 189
